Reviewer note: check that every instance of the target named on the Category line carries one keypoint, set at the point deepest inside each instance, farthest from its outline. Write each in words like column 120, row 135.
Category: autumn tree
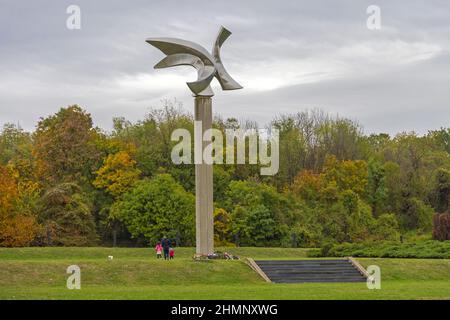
column 347, row 174
column 222, row 228
column 18, row 226
column 308, row 186
column 8, row 191
column 18, row 231
column 64, row 147
column 66, row 214
column 117, row 174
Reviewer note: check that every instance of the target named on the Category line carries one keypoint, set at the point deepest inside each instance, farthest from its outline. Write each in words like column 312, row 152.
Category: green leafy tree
column 376, row 190
column 158, row 207
column 259, row 213
column 442, row 190
column 417, row 215
column 441, row 138
column 386, row 228
column 360, row 222
column 15, row 144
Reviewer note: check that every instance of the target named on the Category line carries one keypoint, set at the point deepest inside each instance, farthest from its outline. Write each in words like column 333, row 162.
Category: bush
column 441, row 226
column 314, row 253
column 387, row 249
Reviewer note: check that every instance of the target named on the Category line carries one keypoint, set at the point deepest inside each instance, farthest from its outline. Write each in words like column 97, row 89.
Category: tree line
column 69, row 183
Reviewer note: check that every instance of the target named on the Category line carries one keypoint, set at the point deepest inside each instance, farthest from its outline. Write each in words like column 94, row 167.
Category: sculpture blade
column 171, row 46
column 225, row 80
column 205, row 73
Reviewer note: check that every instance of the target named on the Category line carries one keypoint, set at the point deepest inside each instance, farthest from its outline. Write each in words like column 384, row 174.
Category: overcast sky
column 288, row 55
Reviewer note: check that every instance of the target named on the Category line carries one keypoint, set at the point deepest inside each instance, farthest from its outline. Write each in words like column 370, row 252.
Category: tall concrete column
column 204, row 183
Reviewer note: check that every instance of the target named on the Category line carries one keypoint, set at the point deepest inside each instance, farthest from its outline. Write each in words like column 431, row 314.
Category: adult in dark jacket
column 166, row 246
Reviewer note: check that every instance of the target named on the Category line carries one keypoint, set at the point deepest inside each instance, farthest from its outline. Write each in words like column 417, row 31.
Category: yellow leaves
column 307, row 183
column 354, row 175
column 347, row 174
column 337, row 176
column 222, row 227
column 114, row 144
column 117, row 174
column 29, row 187
column 8, row 190
column 13, row 171
column 15, row 229
column 18, row 231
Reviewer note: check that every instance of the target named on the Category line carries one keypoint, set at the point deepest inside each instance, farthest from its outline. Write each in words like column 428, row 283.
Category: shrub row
column 424, row 250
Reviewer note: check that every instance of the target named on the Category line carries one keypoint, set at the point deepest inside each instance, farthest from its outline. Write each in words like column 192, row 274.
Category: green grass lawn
column 134, row 273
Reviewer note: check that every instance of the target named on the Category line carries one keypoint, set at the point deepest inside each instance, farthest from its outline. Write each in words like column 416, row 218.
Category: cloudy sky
column 288, row 55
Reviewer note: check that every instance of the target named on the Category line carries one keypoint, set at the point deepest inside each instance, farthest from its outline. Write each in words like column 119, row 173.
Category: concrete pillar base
column 204, row 184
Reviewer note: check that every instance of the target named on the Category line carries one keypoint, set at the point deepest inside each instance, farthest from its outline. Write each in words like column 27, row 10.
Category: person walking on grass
column 158, row 249
column 166, row 246
column 171, row 253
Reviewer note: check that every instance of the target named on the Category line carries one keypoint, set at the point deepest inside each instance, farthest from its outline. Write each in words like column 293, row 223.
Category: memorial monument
column 208, row 65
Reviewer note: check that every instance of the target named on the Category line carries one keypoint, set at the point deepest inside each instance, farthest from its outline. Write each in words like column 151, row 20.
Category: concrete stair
column 295, row 271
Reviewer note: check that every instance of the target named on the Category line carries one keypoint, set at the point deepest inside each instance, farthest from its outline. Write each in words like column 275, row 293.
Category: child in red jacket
column 171, row 253
column 158, row 250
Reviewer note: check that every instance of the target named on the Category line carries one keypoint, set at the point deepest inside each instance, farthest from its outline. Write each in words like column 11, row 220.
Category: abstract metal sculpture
column 181, row 52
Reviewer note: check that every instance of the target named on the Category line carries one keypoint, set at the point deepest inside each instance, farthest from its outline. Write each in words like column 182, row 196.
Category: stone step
column 308, row 272
column 318, row 280
column 291, row 276
column 291, row 263
column 317, row 270
column 300, row 267
column 305, row 262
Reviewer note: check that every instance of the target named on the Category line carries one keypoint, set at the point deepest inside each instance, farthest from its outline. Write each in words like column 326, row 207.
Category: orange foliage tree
column 17, row 229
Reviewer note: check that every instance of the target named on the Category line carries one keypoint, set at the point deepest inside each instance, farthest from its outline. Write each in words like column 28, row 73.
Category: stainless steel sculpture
column 181, row 52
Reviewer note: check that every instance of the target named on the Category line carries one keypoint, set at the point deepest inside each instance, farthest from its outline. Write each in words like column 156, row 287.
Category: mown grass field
column 134, row 273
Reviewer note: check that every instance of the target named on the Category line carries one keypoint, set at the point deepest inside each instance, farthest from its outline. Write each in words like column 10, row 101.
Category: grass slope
column 134, row 273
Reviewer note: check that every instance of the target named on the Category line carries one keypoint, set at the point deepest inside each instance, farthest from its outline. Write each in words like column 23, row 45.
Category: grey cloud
column 325, row 56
